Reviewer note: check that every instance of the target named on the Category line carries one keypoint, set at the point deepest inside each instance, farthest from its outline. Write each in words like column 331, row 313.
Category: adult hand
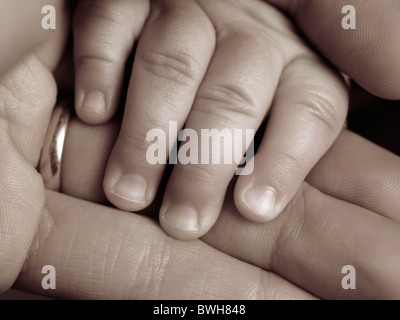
column 27, row 96
column 369, row 54
column 100, row 252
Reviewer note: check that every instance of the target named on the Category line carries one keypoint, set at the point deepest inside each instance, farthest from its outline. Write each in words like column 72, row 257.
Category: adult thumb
column 369, row 53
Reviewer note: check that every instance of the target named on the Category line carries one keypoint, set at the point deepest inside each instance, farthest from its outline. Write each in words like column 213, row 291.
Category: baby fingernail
column 131, row 187
column 262, row 201
column 94, row 101
column 182, row 217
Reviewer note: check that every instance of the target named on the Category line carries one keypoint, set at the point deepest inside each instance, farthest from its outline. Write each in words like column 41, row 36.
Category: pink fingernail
column 182, row 217
column 94, row 101
column 131, row 187
column 262, row 201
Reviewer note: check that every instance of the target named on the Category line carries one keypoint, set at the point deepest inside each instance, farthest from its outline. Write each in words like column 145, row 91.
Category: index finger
column 130, row 257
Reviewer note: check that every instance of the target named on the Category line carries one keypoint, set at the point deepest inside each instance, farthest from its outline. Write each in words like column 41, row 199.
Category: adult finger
column 315, row 237
column 369, row 53
column 308, row 112
column 171, row 60
column 104, row 34
column 360, row 172
column 125, row 256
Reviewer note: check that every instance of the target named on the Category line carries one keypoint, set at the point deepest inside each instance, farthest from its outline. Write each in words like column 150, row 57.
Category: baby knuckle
column 178, row 66
column 229, row 102
column 96, row 60
column 100, row 13
column 325, row 111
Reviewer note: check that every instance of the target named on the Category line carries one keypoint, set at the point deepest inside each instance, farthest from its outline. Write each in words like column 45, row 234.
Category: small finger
column 170, row 63
column 104, row 34
column 308, row 113
column 230, row 106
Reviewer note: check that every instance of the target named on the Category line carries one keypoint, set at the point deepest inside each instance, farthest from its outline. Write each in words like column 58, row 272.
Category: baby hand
column 206, row 64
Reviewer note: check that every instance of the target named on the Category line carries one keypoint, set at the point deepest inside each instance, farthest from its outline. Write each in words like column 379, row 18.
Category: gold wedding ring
column 52, row 151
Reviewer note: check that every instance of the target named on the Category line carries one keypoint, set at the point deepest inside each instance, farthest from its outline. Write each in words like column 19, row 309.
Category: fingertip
column 257, row 202
column 185, row 221
column 180, row 221
column 92, row 107
column 128, row 192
